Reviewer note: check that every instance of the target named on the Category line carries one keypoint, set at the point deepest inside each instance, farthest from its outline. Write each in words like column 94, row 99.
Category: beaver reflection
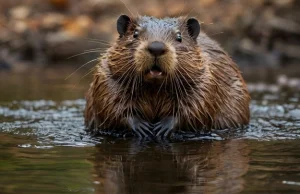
column 193, row 167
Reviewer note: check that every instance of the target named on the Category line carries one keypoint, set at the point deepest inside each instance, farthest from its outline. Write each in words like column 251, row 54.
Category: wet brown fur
column 203, row 89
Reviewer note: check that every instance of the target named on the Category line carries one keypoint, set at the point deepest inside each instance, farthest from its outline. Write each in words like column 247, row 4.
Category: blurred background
column 44, row 148
column 262, row 36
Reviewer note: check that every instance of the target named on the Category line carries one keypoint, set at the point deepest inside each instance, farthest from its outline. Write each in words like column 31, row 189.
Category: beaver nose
column 157, row 48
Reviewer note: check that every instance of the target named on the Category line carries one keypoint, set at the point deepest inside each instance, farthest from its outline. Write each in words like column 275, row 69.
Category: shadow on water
column 44, row 145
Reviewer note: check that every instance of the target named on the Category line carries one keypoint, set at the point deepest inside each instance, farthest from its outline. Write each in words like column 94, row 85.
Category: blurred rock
column 69, row 39
column 59, row 4
column 285, row 81
column 255, row 33
column 52, row 21
column 20, row 12
column 272, row 30
column 4, row 65
column 295, row 114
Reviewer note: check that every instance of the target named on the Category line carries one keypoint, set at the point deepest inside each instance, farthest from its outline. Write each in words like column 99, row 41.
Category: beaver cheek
column 169, row 61
column 143, row 60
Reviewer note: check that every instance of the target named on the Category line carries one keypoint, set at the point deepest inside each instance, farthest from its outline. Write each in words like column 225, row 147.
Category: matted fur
column 202, row 88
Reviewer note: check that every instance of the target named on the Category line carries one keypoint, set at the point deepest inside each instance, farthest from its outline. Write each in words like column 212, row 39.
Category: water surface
column 44, row 148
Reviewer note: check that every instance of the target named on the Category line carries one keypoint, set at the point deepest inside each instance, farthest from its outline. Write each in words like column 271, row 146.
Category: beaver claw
column 140, row 127
column 164, row 127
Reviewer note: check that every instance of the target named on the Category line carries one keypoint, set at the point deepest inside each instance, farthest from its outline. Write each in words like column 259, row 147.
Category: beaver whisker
column 132, row 91
column 188, row 74
column 106, row 44
column 86, row 74
column 99, row 41
column 123, row 96
column 178, row 86
column 140, row 78
column 96, row 49
column 115, row 82
column 131, row 76
column 182, row 84
column 81, row 67
column 83, row 53
column 177, row 102
column 123, row 77
column 122, row 68
column 161, row 86
column 187, row 82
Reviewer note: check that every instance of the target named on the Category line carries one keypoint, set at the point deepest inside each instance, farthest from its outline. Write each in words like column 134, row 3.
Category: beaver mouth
column 155, row 71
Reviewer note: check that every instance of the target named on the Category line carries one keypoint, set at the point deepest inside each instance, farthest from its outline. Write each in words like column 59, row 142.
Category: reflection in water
column 194, row 167
column 44, row 145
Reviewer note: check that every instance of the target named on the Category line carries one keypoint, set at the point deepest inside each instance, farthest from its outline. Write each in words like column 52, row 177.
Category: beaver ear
column 193, row 28
column 122, row 24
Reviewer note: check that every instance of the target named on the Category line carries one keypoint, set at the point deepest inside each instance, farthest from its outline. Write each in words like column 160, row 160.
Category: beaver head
column 155, row 50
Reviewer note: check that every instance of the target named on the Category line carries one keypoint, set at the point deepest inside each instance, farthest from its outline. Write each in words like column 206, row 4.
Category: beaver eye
column 178, row 37
column 135, row 34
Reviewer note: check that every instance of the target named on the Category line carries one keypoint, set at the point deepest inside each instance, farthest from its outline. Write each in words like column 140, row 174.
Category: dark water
column 44, row 148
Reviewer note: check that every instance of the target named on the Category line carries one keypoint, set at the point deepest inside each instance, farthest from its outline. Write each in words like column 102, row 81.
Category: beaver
column 163, row 76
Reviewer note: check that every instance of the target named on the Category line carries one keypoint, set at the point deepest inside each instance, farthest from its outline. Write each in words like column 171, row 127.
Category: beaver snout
column 157, row 48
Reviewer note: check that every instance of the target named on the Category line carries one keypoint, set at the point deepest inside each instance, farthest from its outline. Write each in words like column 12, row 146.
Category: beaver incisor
column 162, row 75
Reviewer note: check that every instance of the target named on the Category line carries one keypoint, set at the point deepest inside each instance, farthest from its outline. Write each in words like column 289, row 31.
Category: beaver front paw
column 164, row 127
column 140, row 127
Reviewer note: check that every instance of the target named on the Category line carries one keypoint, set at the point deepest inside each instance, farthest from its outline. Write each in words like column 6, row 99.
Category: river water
column 44, row 148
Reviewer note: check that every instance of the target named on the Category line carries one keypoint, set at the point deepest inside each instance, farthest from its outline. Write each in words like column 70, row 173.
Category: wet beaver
column 163, row 75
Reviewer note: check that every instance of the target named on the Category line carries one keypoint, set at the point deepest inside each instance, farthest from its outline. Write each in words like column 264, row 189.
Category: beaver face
column 153, row 48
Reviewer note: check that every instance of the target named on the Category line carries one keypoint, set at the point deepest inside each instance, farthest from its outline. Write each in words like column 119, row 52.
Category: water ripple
column 51, row 122
column 61, row 123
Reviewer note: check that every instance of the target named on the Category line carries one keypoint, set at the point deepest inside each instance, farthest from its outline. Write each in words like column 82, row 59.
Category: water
column 44, row 148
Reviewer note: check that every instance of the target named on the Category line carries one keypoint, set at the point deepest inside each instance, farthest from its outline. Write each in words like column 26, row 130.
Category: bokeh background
column 262, row 36
column 44, row 148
